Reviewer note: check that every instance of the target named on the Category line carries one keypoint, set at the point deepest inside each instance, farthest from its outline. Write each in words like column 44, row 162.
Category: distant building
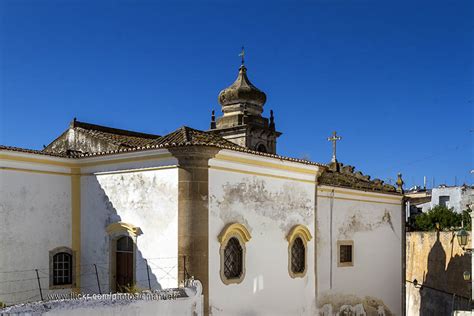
column 457, row 197
column 421, row 200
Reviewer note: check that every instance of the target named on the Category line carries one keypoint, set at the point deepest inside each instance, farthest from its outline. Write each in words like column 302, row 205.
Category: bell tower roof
column 242, row 91
column 242, row 122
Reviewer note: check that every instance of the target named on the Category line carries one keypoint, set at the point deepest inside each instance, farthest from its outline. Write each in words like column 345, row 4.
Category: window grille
column 345, row 253
column 62, row 268
column 298, row 256
column 233, row 259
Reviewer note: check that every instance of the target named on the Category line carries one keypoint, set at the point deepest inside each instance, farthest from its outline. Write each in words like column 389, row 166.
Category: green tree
column 444, row 217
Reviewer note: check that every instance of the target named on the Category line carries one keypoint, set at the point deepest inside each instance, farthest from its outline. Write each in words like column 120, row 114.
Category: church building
column 103, row 209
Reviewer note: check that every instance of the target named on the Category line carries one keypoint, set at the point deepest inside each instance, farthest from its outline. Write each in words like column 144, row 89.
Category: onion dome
column 242, row 91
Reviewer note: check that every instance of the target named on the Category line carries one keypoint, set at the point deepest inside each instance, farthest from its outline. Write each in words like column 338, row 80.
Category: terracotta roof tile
column 129, row 141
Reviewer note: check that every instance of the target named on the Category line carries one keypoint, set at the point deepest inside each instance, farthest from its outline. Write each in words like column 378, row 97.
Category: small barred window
column 62, row 268
column 345, row 253
column 298, row 256
column 233, row 259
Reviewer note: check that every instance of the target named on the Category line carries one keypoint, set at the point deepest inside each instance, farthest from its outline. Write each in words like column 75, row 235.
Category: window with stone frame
column 61, row 268
column 298, row 256
column 233, row 259
column 345, row 253
column 233, row 239
column 298, row 238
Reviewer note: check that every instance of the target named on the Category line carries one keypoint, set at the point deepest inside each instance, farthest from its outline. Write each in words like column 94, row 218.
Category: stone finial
column 213, row 120
column 400, row 183
column 73, row 123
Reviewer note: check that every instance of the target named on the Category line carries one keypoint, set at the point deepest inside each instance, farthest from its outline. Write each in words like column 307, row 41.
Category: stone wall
column 188, row 301
column 437, row 262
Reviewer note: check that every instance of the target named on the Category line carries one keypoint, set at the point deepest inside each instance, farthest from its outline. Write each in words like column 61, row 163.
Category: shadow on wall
column 145, row 270
column 444, row 288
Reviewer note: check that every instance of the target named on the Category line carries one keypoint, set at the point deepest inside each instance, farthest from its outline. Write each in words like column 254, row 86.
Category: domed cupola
column 242, row 94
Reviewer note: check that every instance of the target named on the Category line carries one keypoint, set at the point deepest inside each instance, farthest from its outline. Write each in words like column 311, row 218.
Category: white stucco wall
column 143, row 194
column 35, row 217
column 268, row 207
column 373, row 222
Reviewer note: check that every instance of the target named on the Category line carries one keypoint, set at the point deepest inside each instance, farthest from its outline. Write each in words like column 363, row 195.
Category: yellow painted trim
column 37, row 160
column 109, row 162
column 121, row 227
column 380, row 196
column 79, row 163
column 76, row 220
column 234, row 229
column 260, row 174
column 358, row 200
column 87, row 174
column 299, row 230
column 264, row 164
column 132, row 170
column 36, row 171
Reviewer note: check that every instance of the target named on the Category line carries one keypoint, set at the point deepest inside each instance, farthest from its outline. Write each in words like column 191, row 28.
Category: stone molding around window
column 54, row 252
column 115, row 232
column 121, row 228
column 345, row 243
column 241, row 233
column 302, row 232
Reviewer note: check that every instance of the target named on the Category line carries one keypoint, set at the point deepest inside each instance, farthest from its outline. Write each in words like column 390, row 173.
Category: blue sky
column 394, row 78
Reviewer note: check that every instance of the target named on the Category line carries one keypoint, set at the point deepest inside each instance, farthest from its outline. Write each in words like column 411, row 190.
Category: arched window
column 123, row 238
column 233, row 238
column 262, row 148
column 124, row 262
column 298, row 256
column 298, row 239
column 233, row 259
column 61, row 268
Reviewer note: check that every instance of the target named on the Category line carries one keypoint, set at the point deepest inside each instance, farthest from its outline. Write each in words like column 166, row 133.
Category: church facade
column 102, row 209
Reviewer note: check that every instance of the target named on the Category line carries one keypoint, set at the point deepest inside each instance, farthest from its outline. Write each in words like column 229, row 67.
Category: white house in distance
column 101, row 208
column 421, row 200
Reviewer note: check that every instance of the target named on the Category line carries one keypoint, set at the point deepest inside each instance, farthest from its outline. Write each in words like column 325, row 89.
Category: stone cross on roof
column 334, row 138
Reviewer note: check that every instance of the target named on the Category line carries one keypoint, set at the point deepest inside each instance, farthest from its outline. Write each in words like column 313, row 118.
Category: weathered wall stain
column 286, row 205
column 139, row 192
column 330, row 304
column 358, row 222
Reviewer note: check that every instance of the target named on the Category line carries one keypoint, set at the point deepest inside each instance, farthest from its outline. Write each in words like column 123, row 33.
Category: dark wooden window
column 345, row 253
column 124, row 262
column 233, row 259
column 298, row 256
column 62, row 268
